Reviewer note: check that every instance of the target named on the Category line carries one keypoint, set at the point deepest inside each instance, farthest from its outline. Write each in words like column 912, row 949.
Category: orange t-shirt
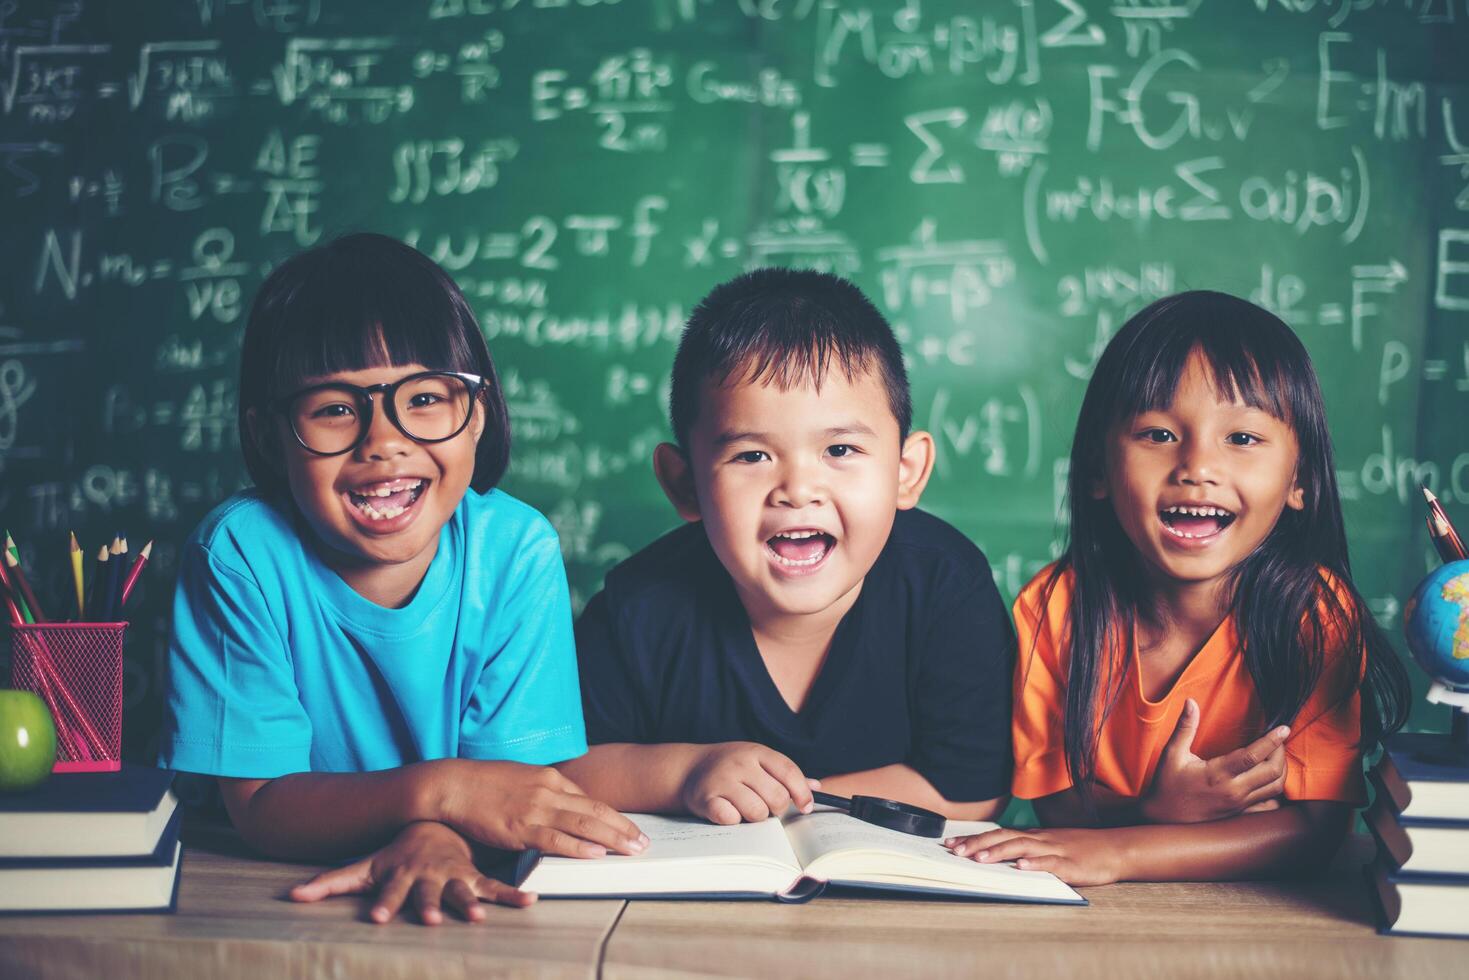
column 1323, row 758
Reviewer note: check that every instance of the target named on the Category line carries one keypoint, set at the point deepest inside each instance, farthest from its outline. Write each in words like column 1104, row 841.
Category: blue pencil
column 96, row 596
column 114, row 578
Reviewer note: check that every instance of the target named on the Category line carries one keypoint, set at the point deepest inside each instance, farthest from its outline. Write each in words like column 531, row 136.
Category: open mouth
column 1191, row 523
column 385, row 501
column 800, row 547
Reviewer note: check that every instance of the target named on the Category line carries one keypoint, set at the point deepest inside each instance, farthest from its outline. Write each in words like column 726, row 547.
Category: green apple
column 27, row 741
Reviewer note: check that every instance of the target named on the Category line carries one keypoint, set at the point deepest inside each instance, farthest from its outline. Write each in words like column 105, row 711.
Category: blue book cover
column 1424, row 757
column 88, row 815
column 132, row 789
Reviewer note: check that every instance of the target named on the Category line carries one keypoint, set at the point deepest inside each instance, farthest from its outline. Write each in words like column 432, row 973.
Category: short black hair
column 363, row 300
column 784, row 326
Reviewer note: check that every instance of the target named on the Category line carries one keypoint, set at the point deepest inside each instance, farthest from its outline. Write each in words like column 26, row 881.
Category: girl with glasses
column 372, row 648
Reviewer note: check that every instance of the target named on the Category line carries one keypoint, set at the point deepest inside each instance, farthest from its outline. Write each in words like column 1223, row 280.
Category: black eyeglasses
column 334, row 418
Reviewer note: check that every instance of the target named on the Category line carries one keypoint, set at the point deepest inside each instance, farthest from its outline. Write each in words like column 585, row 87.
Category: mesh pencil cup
column 76, row 668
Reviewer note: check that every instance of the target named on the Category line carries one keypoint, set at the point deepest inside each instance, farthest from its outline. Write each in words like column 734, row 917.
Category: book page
column 678, row 838
column 836, row 847
column 825, row 831
column 685, row 855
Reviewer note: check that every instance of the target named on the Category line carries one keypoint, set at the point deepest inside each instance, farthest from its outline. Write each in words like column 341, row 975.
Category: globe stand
column 1456, row 750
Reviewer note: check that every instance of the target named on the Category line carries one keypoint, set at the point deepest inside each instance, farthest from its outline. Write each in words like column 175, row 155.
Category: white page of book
column 825, row 831
column 684, row 854
column 890, row 857
column 673, row 838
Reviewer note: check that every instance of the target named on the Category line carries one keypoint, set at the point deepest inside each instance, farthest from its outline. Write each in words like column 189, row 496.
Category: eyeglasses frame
column 363, row 395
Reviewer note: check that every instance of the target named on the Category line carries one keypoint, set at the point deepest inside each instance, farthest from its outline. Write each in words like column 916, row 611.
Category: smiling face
column 379, row 508
column 1199, row 485
column 797, row 488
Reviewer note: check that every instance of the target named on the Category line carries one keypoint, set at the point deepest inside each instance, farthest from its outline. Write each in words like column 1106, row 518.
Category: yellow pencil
column 76, row 576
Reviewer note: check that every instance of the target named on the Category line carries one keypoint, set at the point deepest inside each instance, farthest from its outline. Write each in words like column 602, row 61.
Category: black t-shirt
column 919, row 670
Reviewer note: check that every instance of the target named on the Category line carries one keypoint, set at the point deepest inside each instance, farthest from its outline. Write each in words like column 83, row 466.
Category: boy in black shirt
column 807, row 621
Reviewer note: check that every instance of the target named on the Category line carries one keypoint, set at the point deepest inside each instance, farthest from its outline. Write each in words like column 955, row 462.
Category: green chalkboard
column 1009, row 180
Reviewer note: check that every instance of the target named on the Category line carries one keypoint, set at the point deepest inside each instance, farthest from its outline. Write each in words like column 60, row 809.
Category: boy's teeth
column 796, row 549
column 797, row 563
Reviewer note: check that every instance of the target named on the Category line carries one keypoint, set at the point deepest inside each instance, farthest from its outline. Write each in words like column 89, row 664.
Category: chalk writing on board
column 1009, row 181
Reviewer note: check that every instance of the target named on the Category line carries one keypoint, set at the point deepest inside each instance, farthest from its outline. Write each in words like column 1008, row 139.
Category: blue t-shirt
column 277, row 666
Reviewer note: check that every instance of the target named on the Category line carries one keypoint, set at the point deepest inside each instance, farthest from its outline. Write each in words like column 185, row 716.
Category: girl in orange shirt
column 1197, row 675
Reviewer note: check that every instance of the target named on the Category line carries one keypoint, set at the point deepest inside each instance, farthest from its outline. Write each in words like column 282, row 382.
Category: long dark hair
column 363, row 300
column 1275, row 593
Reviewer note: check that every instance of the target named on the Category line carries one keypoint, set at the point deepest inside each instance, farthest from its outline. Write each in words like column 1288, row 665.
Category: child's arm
column 503, row 804
column 1297, row 836
column 907, row 785
column 1185, row 787
column 724, row 782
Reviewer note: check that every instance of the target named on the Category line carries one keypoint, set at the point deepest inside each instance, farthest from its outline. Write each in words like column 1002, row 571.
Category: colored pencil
column 99, row 579
column 114, row 579
column 84, row 735
column 76, row 576
column 15, row 596
column 139, row 564
column 26, row 616
column 18, row 581
column 1450, row 546
column 16, row 619
column 12, row 601
column 66, row 735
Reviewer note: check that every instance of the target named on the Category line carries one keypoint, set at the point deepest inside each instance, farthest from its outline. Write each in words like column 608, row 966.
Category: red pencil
column 133, row 573
column 18, row 580
column 15, row 617
column 1441, row 529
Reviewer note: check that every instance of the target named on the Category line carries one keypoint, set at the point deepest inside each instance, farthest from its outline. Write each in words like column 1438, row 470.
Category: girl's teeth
column 383, row 515
column 389, row 491
column 1184, row 534
column 1199, row 511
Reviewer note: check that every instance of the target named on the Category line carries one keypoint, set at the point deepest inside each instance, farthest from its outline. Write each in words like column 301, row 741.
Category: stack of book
column 1420, row 818
column 91, row 842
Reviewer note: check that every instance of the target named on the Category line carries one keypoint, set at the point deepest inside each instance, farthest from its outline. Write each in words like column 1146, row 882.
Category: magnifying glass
column 887, row 813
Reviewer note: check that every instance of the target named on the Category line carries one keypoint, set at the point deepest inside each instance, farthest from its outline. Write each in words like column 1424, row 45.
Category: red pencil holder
column 76, row 668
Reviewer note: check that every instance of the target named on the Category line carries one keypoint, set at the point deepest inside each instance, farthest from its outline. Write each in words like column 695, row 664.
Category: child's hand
column 736, row 781
column 1078, row 856
column 1188, row 789
column 515, row 806
column 428, row 862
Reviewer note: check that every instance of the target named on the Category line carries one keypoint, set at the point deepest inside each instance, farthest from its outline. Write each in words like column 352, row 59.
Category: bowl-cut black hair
column 361, row 301
column 784, row 327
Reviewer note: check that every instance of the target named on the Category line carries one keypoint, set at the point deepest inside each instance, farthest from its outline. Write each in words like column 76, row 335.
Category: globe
column 1436, row 620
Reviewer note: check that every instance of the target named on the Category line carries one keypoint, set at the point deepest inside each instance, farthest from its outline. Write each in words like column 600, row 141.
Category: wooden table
column 1130, row 931
column 233, row 920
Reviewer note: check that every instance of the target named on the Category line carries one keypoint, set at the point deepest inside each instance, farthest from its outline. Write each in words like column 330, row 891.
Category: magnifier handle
column 827, row 799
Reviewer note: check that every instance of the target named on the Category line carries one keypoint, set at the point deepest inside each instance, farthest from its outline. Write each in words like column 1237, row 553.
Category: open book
column 791, row 859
